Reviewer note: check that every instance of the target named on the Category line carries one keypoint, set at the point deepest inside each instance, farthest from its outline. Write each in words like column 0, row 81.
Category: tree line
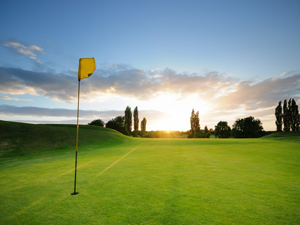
column 242, row 128
column 249, row 127
column 123, row 124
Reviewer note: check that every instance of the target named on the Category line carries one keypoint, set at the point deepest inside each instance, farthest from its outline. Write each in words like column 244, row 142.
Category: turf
column 155, row 181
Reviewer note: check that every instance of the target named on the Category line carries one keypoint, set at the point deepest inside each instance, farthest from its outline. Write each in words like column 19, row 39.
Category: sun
column 178, row 110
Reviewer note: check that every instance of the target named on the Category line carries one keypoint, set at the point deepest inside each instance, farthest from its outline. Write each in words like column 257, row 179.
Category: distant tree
column 206, row 129
column 286, row 116
column 118, row 124
column 198, row 133
column 195, row 122
column 143, row 125
column 294, row 113
column 128, row 119
column 208, row 135
column 278, row 114
column 97, row 122
column 222, row 130
column 135, row 121
column 206, row 132
column 247, row 128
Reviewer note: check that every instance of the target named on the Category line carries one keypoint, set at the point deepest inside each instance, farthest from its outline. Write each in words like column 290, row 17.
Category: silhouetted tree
column 291, row 117
column 97, row 122
column 286, row 116
column 294, row 113
column 222, row 130
column 128, row 119
column 195, row 122
column 135, row 121
column 278, row 114
column 143, row 125
column 247, row 128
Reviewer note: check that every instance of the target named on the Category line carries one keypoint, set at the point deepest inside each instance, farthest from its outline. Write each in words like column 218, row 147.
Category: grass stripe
column 117, row 161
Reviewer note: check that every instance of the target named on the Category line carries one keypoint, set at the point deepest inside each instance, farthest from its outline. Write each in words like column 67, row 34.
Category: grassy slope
column 157, row 181
column 292, row 135
column 20, row 139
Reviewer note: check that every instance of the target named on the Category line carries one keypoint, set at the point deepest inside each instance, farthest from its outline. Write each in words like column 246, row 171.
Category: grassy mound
column 292, row 135
column 19, row 139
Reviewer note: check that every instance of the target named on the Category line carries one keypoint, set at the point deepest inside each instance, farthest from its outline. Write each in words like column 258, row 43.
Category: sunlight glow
column 179, row 110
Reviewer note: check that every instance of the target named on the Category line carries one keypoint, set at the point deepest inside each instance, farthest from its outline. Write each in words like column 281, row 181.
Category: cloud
column 57, row 87
column 59, row 115
column 226, row 93
column 264, row 94
column 29, row 50
column 287, row 73
column 14, row 99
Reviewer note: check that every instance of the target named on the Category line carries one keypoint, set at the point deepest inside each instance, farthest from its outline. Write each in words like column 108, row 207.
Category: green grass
column 153, row 181
column 20, row 139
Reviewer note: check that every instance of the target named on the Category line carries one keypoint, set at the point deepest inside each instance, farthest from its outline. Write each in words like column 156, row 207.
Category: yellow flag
column 86, row 67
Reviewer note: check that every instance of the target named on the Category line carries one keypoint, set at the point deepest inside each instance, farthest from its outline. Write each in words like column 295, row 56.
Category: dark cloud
column 225, row 92
column 56, row 86
column 264, row 94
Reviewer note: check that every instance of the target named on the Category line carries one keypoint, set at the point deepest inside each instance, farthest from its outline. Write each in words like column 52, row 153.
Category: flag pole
column 75, row 193
column 86, row 68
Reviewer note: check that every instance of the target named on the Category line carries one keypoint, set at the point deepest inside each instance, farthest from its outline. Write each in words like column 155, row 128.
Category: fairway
column 156, row 181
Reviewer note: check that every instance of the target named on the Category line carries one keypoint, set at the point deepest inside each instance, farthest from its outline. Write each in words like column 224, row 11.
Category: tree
column 291, row 118
column 278, row 114
column 294, row 115
column 222, row 130
column 135, row 121
column 198, row 133
column 118, row 124
column 206, row 132
column 195, row 122
column 97, row 122
column 247, row 128
column 286, row 117
column 143, row 125
column 128, row 120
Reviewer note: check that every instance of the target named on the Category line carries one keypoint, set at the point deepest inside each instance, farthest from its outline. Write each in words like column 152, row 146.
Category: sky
column 226, row 59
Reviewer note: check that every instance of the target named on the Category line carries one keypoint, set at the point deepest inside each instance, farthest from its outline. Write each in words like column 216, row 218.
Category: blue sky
column 227, row 59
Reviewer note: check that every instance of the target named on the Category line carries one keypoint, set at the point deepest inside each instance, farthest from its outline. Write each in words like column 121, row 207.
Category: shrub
column 97, row 122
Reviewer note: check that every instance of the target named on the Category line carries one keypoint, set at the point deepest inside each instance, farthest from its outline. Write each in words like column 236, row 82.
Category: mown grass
column 156, row 181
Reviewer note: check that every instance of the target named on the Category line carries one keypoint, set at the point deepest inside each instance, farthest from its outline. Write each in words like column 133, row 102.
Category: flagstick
column 75, row 193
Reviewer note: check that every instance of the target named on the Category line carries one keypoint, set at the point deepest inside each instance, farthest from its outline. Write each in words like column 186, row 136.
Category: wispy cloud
column 287, row 73
column 29, row 50
column 13, row 99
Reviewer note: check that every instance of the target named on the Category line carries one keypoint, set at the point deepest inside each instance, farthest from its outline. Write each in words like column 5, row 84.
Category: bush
column 97, row 122
column 208, row 135
column 117, row 124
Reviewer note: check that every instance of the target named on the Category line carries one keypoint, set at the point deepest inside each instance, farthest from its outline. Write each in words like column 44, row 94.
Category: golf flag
column 86, row 67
